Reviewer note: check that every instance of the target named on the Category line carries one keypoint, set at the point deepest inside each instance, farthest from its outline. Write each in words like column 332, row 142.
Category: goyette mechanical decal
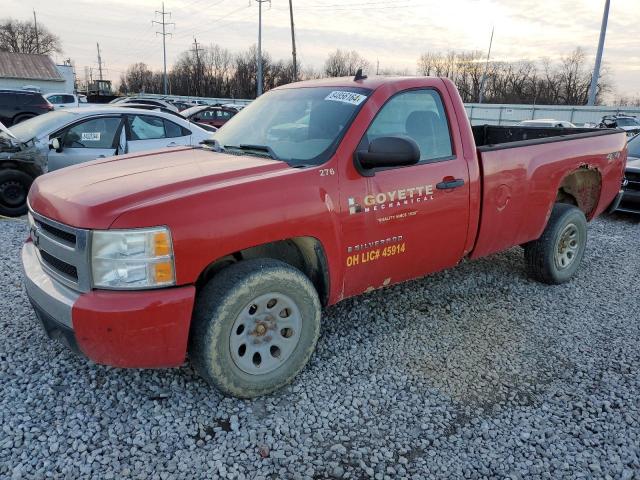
column 393, row 199
column 364, row 253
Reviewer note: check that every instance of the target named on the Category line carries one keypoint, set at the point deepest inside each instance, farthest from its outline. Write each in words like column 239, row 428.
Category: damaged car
column 68, row 137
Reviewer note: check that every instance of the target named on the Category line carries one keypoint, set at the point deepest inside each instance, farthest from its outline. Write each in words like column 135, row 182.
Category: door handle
column 447, row 184
column 101, row 156
column 172, row 144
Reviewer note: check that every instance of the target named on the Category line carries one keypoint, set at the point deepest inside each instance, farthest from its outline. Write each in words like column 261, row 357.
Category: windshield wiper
column 245, row 147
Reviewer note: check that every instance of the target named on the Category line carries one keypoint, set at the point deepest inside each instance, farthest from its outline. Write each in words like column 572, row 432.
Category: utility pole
column 35, row 24
column 198, row 71
column 293, row 43
column 99, row 61
column 259, row 52
column 596, row 69
column 377, row 66
column 486, row 69
column 164, row 45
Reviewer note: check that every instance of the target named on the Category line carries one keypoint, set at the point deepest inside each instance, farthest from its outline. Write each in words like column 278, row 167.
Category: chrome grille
column 63, row 251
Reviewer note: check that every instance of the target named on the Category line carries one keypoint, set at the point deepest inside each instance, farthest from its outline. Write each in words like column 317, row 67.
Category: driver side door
column 89, row 139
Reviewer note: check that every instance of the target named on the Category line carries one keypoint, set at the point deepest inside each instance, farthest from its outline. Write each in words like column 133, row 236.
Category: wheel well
column 28, row 168
column 304, row 253
column 582, row 189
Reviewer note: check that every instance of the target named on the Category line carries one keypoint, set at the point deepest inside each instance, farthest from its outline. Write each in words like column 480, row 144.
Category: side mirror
column 387, row 152
column 56, row 145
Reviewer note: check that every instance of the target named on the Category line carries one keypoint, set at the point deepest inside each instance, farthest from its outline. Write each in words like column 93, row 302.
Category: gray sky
column 393, row 31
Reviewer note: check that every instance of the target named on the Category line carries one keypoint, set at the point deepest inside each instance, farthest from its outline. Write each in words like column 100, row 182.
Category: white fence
column 503, row 114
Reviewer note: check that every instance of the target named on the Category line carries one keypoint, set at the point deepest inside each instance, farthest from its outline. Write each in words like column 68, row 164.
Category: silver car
column 66, row 137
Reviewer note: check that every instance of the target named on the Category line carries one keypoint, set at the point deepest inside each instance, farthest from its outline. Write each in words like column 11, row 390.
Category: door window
column 55, row 99
column 66, row 99
column 94, row 133
column 146, row 127
column 418, row 114
column 172, row 130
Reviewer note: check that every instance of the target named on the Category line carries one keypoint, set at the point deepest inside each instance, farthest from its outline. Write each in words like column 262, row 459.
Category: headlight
column 132, row 259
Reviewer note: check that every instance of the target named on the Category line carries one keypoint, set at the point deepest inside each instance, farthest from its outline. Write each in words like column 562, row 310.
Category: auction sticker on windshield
column 90, row 136
column 346, row 97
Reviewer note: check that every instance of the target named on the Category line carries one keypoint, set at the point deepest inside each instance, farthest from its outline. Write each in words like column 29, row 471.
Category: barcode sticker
column 346, row 97
column 90, row 136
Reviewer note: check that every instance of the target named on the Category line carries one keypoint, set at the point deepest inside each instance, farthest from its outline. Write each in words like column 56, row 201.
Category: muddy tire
column 255, row 326
column 14, row 187
column 555, row 257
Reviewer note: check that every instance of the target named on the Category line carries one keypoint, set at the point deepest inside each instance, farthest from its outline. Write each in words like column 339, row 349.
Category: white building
column 18, row 70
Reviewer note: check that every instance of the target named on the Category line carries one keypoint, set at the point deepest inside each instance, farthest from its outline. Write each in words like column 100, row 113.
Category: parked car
column 75, row 135
column 235, row 106
column 229, row 252
column 628, row 123
column 214, row 116
column 149, row 101
column 630, row 201
column 546, row 122
column 19, row 105
column 66, row 100
column 145, row 106
column 180, row 105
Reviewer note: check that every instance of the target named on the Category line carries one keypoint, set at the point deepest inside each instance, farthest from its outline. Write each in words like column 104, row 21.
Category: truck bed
column 523, row 169
column 494, row 137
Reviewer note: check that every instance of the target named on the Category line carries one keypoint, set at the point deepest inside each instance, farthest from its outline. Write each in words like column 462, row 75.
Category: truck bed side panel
column 521, row 183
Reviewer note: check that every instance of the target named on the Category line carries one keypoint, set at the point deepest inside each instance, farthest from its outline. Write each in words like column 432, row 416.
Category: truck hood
column 94, row 194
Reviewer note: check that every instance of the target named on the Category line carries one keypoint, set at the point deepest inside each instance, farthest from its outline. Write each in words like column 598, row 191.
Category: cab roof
column 371, row 83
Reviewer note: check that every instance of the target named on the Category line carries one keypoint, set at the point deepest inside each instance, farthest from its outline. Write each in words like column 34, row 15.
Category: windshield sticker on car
column 351, row 98
column 90, row 136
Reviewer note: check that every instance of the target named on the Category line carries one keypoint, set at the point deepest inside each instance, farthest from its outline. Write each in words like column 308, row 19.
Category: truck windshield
column 301, row 126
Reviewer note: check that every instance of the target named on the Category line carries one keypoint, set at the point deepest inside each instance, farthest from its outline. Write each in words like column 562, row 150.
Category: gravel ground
column 475, row 372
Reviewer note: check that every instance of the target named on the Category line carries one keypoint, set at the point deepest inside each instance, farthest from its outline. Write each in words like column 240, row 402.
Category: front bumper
column 142, row 329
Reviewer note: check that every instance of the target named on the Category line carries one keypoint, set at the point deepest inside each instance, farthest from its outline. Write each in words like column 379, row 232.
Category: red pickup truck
column 316, row 192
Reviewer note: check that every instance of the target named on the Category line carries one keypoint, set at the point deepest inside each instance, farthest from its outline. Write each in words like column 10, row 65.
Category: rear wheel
column 14, row 187
column 555, row 257
column 255, row 326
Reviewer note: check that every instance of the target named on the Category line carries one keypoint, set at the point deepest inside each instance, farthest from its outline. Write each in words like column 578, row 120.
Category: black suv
column 18, row 105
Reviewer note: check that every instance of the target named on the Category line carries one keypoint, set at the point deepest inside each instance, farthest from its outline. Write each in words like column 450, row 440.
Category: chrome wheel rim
column 568, row 247
column 265, row 333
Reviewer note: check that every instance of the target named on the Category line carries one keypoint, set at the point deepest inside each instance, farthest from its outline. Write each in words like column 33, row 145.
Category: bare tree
column 20, row 37
column 345, row 63
column 139, row 78
column 515, row 82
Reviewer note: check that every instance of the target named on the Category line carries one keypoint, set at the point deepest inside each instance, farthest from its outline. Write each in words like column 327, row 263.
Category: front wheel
column 14, row 188
column 555, row 257
column 255, row 327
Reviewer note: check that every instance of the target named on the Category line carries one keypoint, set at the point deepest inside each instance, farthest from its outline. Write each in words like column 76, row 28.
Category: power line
column 164, row 34
column 596, row 69
column 198, row 70
column 35, row 25
column 293, row 42
column 259, row 52
column 99, row 61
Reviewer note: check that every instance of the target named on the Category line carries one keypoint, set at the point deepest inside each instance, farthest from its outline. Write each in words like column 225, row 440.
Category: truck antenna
column 359, row 75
